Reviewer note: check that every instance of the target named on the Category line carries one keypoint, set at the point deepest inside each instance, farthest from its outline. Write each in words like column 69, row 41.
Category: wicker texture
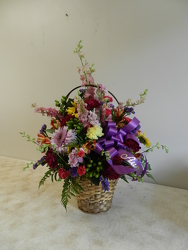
column 93, row 199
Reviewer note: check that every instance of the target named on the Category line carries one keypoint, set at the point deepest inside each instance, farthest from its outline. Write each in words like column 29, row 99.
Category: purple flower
column 40, row 162
column 61, row 137
column 35, row 165
column 105, row 183
column 43, row 129
column 73, row 172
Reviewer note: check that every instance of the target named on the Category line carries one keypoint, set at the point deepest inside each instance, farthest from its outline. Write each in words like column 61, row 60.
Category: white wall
column 134, row 45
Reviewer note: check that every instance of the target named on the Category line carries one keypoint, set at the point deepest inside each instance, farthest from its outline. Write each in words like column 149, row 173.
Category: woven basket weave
column 94, row 199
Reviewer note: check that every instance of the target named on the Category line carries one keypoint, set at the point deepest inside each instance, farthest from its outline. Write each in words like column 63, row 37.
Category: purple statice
column 105, row 183
column 73, row 172
column 43, row 129
column 35, row 165
column 129, row 111
column 61, row 137
column 40, row 162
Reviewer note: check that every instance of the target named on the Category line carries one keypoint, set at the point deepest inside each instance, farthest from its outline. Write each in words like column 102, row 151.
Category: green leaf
column 150, row 176
column 28, row 165
column 51, row 131
column 123, row 178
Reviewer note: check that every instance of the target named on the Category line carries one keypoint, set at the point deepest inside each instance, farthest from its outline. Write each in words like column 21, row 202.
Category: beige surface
column 142, row 216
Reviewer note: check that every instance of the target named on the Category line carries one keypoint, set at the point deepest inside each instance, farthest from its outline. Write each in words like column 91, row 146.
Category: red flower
column 117, row 160
column 108, row 112
column 92, row 103
column 81, row 153
column 138, row 155
column 132, row 144
column 81, row 170
column 51, row 159
column 63, row 174
column 65, row 119
column 127, row 119
column 109, row 173
column 108, row 98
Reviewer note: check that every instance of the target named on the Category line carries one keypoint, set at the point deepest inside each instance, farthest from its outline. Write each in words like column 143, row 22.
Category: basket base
column 94, row 208
column 94, row 199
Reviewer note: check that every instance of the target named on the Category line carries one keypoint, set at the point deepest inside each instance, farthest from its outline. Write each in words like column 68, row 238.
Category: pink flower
column 81, row 170
column 76, row 157
column 90, row 79
column 73, row 159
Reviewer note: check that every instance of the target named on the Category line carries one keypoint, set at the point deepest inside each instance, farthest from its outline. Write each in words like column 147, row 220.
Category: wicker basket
column 94, row 199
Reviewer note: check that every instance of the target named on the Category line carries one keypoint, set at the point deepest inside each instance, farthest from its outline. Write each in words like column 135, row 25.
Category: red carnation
column 92, row 103
column 108, row 112
column 51, row 159
column 81, row 170
column 63, row 174
column 132, row 144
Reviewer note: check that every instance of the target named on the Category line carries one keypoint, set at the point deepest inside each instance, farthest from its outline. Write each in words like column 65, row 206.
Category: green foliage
column 78, row 48
column 33, row 140
column 28, row 165
column 51, row 131
column 46, row 176
column 158, row 146
column 150, row 176
column 44, row 148
column 70, row 188
column 123, row 178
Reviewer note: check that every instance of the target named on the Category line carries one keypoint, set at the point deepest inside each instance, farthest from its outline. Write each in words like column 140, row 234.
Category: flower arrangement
column 90, row 138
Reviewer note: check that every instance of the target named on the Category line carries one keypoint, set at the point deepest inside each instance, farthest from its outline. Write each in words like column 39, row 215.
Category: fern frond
column 70, row 188
column 46, row 176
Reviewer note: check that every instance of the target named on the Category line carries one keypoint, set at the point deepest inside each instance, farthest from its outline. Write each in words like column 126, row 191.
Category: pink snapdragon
column 48, row 111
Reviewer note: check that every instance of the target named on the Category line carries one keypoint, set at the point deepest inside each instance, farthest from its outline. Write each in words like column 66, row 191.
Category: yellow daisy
column 143, row 139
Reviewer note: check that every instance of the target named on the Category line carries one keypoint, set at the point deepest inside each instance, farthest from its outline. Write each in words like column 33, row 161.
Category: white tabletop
column 143, row 215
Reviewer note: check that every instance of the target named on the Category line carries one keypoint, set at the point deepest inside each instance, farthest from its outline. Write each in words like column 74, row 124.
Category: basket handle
column 88, row 85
